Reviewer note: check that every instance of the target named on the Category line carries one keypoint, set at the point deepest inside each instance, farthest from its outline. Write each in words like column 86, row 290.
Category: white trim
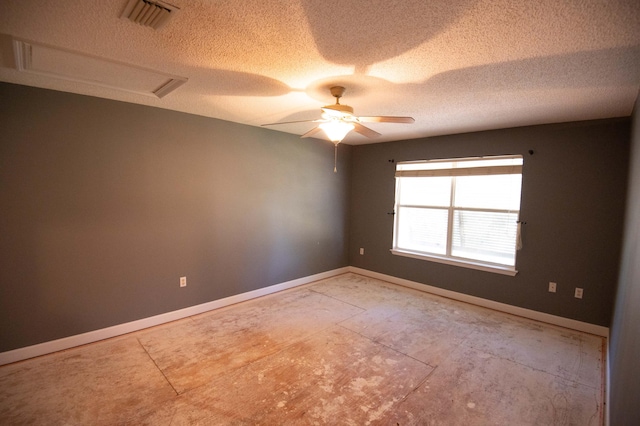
column 120, row 329
column 607, row 388
column 598, row 330
column 504, row 270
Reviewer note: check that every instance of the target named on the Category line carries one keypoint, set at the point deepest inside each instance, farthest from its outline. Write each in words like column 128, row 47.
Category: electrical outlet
column 183, row 281
column 361, row 250
column 578, row 293
column 552, row 287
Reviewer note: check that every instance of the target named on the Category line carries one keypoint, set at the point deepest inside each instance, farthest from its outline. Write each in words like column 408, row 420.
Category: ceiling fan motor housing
column 341, row 108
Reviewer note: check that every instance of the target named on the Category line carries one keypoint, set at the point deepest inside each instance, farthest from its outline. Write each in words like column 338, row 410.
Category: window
column 459, row 211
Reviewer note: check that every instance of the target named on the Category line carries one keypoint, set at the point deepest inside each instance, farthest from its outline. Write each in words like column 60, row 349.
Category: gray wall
column 104, row 205
column 624, row 346
column 573, row 198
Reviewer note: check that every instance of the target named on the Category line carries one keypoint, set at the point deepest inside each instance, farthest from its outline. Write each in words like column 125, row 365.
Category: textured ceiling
column 453, row 65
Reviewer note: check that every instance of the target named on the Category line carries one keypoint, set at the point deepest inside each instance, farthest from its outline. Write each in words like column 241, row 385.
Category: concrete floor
column 347, row 350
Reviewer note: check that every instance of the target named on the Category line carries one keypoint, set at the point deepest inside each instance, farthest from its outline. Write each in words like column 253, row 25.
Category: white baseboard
column 503, row 307
column 607, row 388
column 120, row 329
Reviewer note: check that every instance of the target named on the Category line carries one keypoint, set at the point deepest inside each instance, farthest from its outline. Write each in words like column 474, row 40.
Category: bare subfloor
column 346, row 350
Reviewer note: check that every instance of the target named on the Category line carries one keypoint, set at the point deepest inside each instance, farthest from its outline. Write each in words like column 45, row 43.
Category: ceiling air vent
column 154, row 14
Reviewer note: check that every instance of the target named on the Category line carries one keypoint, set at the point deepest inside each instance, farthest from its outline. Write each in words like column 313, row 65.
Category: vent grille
column 154, row 14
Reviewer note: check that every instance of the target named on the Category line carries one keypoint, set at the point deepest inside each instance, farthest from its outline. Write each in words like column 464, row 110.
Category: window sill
column 497, row 269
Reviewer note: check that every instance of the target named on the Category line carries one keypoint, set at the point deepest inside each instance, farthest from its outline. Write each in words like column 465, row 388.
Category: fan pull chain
column 335, row 159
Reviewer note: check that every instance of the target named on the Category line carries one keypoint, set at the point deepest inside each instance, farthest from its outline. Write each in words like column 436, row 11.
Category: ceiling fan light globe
column 336, row 130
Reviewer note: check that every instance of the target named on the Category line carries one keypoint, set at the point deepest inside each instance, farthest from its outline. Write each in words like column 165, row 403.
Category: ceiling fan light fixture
column 336, row 130
column 338, row 120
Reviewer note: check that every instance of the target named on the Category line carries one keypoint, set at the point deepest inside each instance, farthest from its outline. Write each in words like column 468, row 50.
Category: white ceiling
column 453, row 65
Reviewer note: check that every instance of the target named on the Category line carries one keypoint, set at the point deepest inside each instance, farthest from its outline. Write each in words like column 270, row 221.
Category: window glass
column 489, row 192
column 434, row 192
column 486, row 236
column 423, row 229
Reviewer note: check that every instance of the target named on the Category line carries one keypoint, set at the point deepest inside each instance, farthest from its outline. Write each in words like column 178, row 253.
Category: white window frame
column 432, row 168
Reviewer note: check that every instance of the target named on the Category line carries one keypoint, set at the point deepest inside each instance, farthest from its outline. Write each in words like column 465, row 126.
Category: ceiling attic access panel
column 36, row 58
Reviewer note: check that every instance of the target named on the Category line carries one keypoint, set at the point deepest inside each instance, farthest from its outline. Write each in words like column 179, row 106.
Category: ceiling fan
column 338, row 120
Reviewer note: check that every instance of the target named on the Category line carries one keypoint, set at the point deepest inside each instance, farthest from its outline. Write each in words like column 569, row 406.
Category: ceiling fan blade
column 386, row 119
column 292, row 122
column 365, row 131
column 311, row 132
